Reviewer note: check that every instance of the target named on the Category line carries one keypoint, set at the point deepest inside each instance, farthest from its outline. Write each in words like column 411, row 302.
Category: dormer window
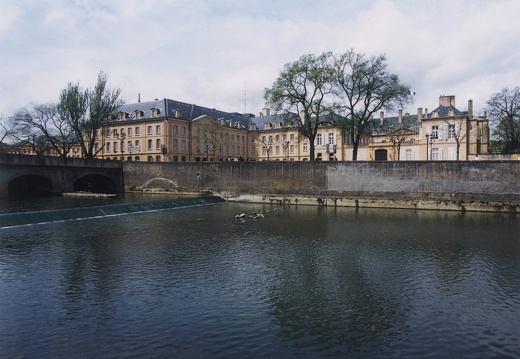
column 123, row 116
column 155, row 112
column 268, row 126
column 288, row 123
column 277, row 124
column 252, row 126
column 178, row 113
column 138, row 114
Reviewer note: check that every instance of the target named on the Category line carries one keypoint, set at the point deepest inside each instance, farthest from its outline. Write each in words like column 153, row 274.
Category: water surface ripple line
column 57, row 215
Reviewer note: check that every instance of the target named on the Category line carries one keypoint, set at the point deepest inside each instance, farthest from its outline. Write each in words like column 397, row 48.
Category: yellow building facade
column 171, row 131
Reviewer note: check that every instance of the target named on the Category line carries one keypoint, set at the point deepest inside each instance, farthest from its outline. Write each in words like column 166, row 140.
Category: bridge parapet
column 22, row 174
column 48, row 161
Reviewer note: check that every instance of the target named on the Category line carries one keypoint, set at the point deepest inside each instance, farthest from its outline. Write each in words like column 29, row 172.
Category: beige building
column 172, row 131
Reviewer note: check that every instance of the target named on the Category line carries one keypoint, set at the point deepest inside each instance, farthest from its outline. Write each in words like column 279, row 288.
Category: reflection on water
column 301, row 282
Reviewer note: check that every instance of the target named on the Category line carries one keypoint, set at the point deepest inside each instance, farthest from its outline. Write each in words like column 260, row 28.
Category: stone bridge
column 30, row 176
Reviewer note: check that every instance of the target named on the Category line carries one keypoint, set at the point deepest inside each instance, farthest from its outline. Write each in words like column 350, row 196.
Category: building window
column 158, row 129
column 108, row 147
column 137, row 145
column 183, row 131
column 305, row 146
column 277, row 150
column 291, row 148
column 129, row 131
column 252, row 151
column 150, row 130
column 436, row 154
column 150, row 158
column 175, row 129
column 175, row 144
column 331, row 138
column 175, row 158
column 319, row 139
column 115, row 147
column 157, row 158
column 277, row 138
column 435, row 132
column 158, row 144
column 115, row 132
column 137, row 131
column 452, row 154
column 137, row 158
column 451, row 131
column 150, row 145
column 409, row 155
column 292, row 137
column 183, row 145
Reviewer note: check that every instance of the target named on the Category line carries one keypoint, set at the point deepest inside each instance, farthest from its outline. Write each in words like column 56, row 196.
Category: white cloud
column 211, row 52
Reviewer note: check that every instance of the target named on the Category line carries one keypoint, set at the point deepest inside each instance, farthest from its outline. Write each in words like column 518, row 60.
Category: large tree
column 44, row 119
column 88, row 112
column 366, row 87
column 304, row 87
column 504, row 112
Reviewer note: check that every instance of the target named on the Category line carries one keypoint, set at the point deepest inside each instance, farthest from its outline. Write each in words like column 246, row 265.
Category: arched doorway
column 381, row 155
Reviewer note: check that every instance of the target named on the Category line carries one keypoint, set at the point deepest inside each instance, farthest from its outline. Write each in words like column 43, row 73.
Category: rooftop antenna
column 245, row 97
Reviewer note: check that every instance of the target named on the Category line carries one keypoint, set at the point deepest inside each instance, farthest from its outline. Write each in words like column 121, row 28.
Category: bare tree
column 457, row 129
column 266, row 142
column 211, row 137
column 47, row 121
column 365, row 87
column 7, row 132
column 504, row 112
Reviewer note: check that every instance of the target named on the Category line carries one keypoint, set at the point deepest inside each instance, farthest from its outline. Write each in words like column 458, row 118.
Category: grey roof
column 444, row 110
column 189, row 112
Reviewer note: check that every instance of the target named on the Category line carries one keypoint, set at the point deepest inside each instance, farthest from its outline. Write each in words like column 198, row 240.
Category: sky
column 222, row 54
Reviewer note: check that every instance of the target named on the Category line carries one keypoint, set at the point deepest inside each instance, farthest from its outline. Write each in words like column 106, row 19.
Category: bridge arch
column 160, row 183
column 30, row 185
column 95, row 183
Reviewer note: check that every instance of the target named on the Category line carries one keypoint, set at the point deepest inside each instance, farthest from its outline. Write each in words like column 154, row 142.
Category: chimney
column 425, row 113
column 447, row 101
column 419, row 113
column 266, row 111
column 139, row 97
column 470, row 109
column 400, row 116
column 381, row 117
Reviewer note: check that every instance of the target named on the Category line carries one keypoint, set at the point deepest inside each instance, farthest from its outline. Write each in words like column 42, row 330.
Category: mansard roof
column 168, row 108
column 443, row 111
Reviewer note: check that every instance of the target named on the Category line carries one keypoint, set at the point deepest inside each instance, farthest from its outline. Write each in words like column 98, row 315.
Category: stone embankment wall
column 475, row 185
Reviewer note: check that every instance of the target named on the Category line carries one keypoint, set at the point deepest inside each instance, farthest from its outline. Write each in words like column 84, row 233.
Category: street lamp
column 429, row 140
column 122, row 137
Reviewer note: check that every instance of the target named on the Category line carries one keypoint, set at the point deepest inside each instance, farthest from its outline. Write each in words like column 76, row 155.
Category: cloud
column 223, row 53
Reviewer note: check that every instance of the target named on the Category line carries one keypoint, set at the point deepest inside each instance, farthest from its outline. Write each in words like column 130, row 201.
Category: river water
column 305, row 282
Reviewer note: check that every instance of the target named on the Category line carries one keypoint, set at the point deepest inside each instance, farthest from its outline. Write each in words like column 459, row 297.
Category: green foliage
column 349, row 84
column 303, row 87
column 88, row 112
